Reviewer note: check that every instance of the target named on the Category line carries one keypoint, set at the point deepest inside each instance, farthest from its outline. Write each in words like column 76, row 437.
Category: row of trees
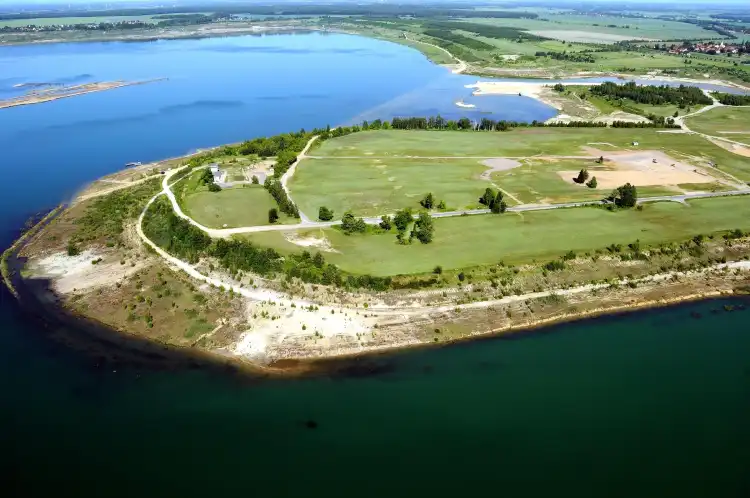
column 583, row 177
column 732, row 99
column 651, row 94
column 274, row 187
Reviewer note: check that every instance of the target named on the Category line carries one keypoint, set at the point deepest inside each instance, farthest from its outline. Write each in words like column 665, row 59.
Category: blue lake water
column 649, row 404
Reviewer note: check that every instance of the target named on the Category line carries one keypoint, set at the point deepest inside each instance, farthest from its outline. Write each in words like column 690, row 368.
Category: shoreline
column 111, row 345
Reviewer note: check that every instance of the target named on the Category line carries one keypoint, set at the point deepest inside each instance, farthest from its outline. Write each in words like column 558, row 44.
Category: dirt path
column 290, row 172
column 120, row 185
column 460, row 68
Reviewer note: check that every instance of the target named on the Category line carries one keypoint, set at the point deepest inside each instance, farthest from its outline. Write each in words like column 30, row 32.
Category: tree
column 385, row 222
column 498, row 204
column 325, row 214
column 583, row 175
column 559, row 87
column 438, row 270
column 441, row 206
column 402, row 219
column 256, row 181
column 423, row 228
column 592, row 183
column 625, row 196
column 600, row 160
column 273, row 215
column 676, row 113
column 428, row 201
column 318, row 260
column 488, row 197
column 350, row 224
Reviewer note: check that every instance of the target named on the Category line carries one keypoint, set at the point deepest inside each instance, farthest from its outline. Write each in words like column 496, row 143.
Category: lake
column 649, row 404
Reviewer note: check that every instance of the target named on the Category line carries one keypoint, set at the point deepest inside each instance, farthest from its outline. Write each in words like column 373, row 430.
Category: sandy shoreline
column 40, row 97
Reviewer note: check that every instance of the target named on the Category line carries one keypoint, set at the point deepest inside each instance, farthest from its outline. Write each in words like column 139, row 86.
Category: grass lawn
column 524, row 238
column 235, row 207
column 372, row 187
column 723, row 119
column 528, row 142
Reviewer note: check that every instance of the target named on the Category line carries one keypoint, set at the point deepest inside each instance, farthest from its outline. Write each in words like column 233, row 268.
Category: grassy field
column 372, row 187
column 524, row 238
column 586, row 28
column 723, row 119
column 529, row 142
column 233, row 207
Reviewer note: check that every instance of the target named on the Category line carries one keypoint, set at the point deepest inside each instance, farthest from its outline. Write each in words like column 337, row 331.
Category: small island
column 392, row 234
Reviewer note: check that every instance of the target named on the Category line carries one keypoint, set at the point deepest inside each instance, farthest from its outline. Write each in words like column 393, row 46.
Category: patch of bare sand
column 321, row 243
column 732, row 147
column 497, row 164
column 642, row 168
column 584, row 36
column 80, row 273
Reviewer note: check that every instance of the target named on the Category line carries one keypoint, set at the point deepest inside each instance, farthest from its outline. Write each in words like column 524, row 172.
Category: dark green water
column 649, row 404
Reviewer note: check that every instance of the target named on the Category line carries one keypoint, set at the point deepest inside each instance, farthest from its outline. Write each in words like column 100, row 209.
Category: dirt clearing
column 322, row 243
column 642, row 168
column 497, row 164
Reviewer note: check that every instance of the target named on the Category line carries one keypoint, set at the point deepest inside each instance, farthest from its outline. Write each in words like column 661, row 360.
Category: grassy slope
column 235, row 207
column 529, row 142
column 713, row 122
column 515, row 238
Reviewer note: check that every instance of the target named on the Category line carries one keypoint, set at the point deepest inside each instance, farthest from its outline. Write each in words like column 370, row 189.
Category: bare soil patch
column 322, row 243
column 734, row 148
column 497, row 164
column 642, row 168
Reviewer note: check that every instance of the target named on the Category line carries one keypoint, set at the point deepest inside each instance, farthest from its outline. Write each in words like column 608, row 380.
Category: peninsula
column 442, row 230
column 50, row 92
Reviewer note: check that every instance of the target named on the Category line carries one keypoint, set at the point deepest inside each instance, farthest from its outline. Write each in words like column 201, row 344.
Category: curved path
column 460, row 68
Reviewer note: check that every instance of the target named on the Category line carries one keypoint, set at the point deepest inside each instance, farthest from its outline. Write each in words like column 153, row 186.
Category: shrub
column 592, row 183
column 273, row 215
column 73, row 249
column 325, row 214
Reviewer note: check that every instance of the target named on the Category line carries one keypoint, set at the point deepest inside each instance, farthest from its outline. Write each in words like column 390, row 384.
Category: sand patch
column 321, row 243
column 497, row 164
column 79, row 273
column 642, row 168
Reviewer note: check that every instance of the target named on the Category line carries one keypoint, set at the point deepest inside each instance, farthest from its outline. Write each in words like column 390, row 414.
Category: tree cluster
column 274, row 187
column 625, row 196
column 732, row 99
column 350, row 224
column 325, row 214
column 652, row 94
column 493, row 200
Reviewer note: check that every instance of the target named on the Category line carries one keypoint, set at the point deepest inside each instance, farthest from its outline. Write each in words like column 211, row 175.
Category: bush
column 73, row 249
column 325, row 214
column 212, row 187
column 256, row 181
column 385, row 222
column 438, row 270
column 428, row 201
column 592, row 183
column 273, row 215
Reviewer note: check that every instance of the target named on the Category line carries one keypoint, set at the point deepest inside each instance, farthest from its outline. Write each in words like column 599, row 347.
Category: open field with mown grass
column 522, row 238
column 530, row 142
column 719, row 121
column 371, row 187
column 233, row 207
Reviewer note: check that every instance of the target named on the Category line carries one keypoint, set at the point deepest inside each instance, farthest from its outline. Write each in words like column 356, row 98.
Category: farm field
column 233, row 207
column 47, row 21
column 599, row 29
column 520, row 238
column 732, row 122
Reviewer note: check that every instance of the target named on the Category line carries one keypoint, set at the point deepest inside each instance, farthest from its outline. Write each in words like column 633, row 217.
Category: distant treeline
column 568, row 56
column 371, row 10
column 652, row 95
column 732, row 99
column 452, row 37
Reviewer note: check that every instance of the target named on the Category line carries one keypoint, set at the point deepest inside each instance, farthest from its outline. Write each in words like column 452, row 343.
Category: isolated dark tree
column 386, row 222
column 438, row 270
column 428, row 201
column 325, row 214
column 583, row 175
column 441, row 206
column 559, row 87
column 498, row 204
column 350, row 224
column 592, row 183
column 600, row 160
column 402, row 219
column 423, row 228
column 273, row 215
column 488, row 197
column 625, row 196
column 255, row 180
